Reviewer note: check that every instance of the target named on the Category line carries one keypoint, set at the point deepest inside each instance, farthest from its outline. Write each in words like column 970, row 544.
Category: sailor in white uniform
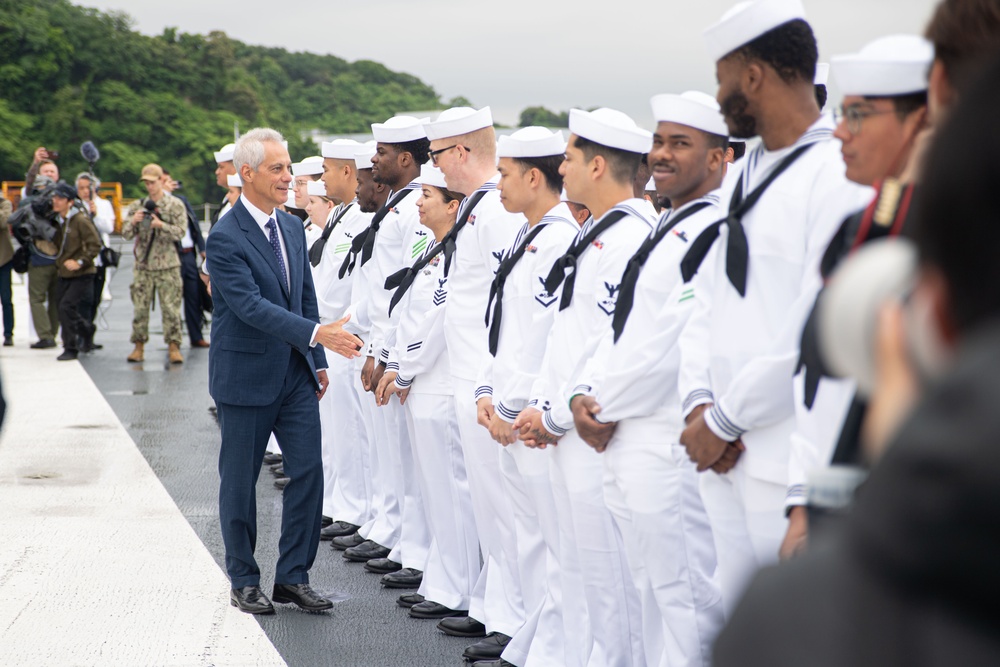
column 602, row 156
column 740, row 347
column 626, row 403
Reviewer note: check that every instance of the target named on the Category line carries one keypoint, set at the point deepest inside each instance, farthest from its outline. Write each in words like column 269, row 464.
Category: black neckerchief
column 316, row 251
column 564, row 269
column 364, row 243
column 496, row 288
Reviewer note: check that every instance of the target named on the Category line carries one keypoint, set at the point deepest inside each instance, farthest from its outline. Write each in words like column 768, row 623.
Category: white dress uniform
column 420, row 358
column 527, row 314
column 740, row 352
column 650, row 485
column 400, row 241
column 591, row 538
column 497, row 600
column 347, row 491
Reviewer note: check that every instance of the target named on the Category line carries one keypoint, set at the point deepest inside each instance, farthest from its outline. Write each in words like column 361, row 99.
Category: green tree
column 544, row 117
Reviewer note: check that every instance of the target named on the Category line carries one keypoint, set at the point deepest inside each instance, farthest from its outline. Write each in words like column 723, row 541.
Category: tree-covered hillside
column 69, row 74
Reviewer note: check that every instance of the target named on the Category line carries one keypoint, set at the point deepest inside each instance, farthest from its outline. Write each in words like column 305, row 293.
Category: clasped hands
column 707, row 450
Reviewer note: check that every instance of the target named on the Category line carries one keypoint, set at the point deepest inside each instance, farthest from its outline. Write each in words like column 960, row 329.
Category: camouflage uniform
column 159, row 271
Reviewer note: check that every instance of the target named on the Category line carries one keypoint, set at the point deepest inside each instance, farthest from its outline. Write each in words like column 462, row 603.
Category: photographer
column 190, row 248
column 103, row 215
column 157, row 222
column 80, row 246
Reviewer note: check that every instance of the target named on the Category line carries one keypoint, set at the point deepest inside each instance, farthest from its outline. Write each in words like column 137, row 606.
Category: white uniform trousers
column 748, row 525
column 612, row 600
column 414, row 540
column 541, row 640
column 651, row 489
column 453, row 562
column 383, row 526
column 496, row 600
column 345, row 447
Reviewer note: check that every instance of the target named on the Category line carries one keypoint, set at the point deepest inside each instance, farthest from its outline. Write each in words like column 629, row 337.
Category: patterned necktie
column 272, row 236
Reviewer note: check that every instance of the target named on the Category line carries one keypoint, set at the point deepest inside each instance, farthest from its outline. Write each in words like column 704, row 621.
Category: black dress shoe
column 462, row 627
column 428, row 609
column 407, row 600
column 405, row 578
column 8, row 341
column 383, row 566
column 68, row 355
column 493, row 663
column 251, row 600
column 43, row 344
column 489, row 648
column 281, row 483
column 270, row 459
column 337, row 529
column 365, row 552
column 278, row 470
column 301, row 594
column 325, row 521
column 347, row 541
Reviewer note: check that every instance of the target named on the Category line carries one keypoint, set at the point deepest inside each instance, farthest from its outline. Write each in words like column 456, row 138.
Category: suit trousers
column 347, row 494
column 612, row 600
column 294, row 419
column 191, row 282
column 497, row 599
column 651, row 489
column 748, row 525
column 72, row 295
column 453, row 562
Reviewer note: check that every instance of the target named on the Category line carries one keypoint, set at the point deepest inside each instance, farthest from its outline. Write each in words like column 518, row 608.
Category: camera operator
column 78, row 249
column 190, row 247
column 103, row 214
column 43, row 164
column 157, row 222
column 43, row 278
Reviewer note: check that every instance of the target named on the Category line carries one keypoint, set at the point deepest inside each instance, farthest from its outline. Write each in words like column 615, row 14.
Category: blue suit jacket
column 257, row 320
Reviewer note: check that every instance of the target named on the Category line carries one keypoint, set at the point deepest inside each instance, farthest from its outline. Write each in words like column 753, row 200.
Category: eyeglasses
column 854, row 117
column 433, row 155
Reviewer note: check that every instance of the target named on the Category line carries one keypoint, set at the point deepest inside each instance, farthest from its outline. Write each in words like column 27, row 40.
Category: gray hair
column 250, row 147
column 95, row 182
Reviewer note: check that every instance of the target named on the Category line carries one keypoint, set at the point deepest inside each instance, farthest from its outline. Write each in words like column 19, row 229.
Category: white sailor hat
column 399, row 130
column 311, row 166
column 747, row 21
column 340, row 149
column 693, row 108
column 225, row 154
column 531, row 141
column 822, row 74
column 893, row 65
column 431, row 175
column 316, row 188
column 363, row 155
column 610, row 128
column 458, row 120
column 234, row 181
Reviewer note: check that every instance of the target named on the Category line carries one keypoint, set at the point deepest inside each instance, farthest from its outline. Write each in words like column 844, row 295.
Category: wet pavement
column 166, row 411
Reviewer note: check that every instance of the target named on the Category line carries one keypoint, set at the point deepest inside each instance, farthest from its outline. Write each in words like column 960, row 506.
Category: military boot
column 175, row 354
column 136, row 355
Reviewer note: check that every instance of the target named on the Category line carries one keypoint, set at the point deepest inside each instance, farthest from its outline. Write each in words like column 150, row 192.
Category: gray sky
column 586, row 53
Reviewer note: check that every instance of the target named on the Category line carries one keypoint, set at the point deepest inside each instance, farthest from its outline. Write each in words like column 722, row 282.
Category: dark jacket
column 80, row 241
column 911, row 578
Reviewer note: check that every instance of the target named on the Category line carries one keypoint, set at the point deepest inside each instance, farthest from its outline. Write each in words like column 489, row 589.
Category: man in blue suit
column 266, row 373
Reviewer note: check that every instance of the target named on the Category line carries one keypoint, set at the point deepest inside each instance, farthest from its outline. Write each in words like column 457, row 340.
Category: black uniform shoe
column 278, row 469
column 326, row 521
column 428, row 609
column 337, row 529
column 489, row 648
column 270, row 459
column 347, row 541
column 407, row 600
column 365, row 552
column 462, row 627
column 405, row 578
column 301, row 594
column 87, row 339
column 43, row 344
column 8, row 341
column 493, row 663
column 251, row 600
column 383, row 566
column 281, row 483
column 67, row 355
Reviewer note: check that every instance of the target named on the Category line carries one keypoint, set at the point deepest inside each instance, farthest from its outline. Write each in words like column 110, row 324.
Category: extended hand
column 333, row 337
column 484, row 411
column 324, row 382
column 531, row 429
column 594, row 433
column 703, row 447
